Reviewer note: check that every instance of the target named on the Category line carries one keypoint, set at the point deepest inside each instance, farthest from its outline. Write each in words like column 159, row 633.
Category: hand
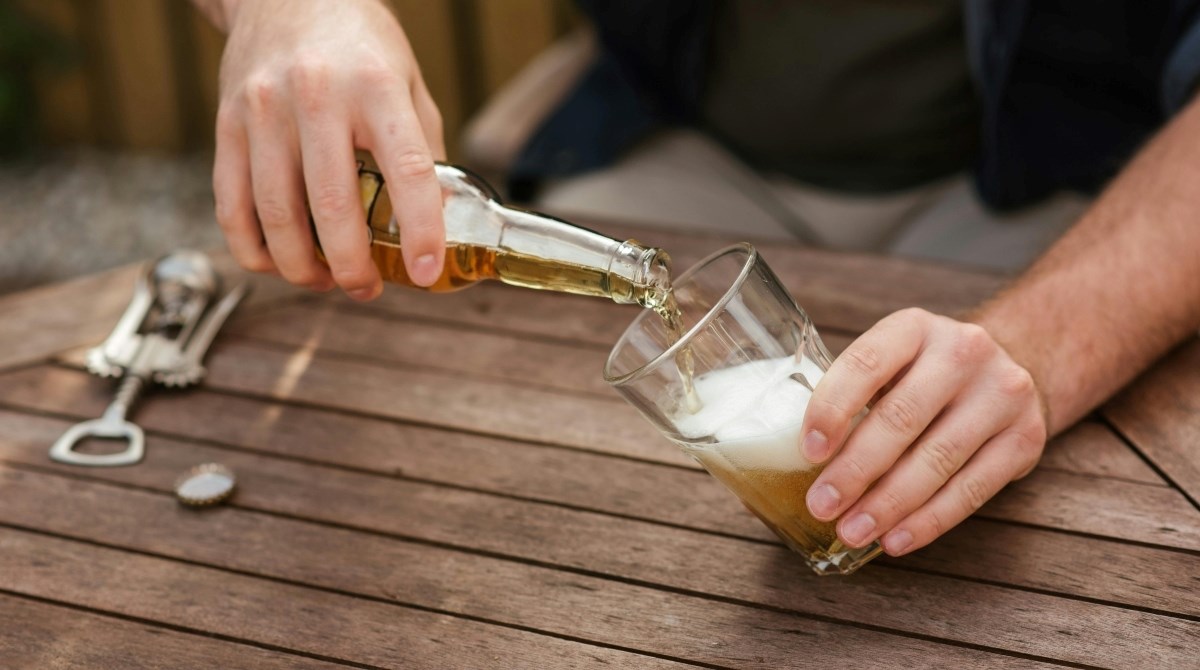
column 954, row 421
column 303, row 84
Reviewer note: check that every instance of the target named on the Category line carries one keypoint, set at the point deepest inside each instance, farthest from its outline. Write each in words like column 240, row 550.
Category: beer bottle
column 488, row 240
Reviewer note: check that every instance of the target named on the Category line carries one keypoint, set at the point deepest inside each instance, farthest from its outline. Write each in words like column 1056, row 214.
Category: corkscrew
column 161, row 338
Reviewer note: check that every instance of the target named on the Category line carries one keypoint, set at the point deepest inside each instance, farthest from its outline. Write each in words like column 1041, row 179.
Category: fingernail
column 425, row 270
column 816, row 446
column 857, row 529
column 897, row 542
column 823, row 501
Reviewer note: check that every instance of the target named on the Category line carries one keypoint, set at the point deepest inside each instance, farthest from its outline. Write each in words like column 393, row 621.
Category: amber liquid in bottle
column 472, row 212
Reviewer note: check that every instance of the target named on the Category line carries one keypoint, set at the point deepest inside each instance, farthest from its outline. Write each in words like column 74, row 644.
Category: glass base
column 837, row 560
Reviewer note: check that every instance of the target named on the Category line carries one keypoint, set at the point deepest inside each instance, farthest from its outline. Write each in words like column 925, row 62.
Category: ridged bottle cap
column 205, row 485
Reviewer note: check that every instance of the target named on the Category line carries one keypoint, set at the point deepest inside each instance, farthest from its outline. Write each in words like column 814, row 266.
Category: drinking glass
column 753, row 357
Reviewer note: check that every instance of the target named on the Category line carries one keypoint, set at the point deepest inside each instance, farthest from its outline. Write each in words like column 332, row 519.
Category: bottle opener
column 161, row 338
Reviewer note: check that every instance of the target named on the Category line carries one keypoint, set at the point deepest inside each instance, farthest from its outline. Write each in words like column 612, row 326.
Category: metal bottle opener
column 161, row 338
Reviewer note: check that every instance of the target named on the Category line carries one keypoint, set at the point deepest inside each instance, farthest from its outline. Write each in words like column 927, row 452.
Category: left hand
column 955, row 419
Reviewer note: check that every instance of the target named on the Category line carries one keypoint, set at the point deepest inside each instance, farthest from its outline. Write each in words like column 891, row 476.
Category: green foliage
column 27, row 47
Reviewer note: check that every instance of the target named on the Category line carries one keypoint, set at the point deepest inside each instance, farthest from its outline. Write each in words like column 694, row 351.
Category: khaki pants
column 682, row 179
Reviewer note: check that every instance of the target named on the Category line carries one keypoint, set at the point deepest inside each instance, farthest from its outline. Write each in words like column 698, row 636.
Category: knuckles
column 333, row 201
column 412, row 164
column 898, row 412
column 863, row 360
column 939, row 456
column 274, row 215
column 971, row 344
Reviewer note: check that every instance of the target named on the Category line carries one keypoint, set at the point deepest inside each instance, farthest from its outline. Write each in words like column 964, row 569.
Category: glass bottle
column 488, row 240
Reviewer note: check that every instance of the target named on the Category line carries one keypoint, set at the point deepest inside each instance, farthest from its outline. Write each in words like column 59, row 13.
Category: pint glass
column 755, row 358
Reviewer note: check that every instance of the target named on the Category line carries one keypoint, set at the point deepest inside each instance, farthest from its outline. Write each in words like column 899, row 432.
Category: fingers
column 331, row 176
column 949, row 395
column 937, row 377
column 279, row 192
column 234, row 199
column 430, row 118
column 922, row 470
column 397, row 140
column 869, row 363
column 1003, row 458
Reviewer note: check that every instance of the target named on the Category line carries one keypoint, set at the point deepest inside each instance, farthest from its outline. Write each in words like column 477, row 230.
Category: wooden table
column 445, row 481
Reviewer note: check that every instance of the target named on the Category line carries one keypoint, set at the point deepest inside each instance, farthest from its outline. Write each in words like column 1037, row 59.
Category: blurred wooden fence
column 146, row 70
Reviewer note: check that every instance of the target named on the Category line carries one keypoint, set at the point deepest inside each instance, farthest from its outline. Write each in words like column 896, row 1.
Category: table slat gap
column 387, row 537
column 118, row 638
column 766, row 608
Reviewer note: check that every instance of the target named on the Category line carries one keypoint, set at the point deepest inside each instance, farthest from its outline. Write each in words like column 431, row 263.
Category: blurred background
column 107, row 111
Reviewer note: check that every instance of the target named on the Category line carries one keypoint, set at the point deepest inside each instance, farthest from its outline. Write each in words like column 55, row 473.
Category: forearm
column 1119, row 289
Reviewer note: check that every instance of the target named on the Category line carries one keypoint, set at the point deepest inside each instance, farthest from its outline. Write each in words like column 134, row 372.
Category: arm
column 1119, row 289
column 304, row 83
column 958, row 413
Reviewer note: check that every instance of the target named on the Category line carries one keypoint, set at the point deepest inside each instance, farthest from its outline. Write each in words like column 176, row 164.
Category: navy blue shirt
column 1070, row 88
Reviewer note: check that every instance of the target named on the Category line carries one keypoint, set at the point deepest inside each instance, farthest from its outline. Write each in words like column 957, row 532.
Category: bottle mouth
column 647, row 269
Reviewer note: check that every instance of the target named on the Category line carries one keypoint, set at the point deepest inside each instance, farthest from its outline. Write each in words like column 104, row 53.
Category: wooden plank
column 1062, row 563
column 576, row 605
column 1059, row 500
column 473, row 353
column 485, row 355
column 142, row 73
column 49, row 319
column 436, row 398
column 612, row 485
column 724, row 567
column 39, row 635
column 1103, row 507
column 1139, row 576
column 1091, row 448
column 272, row 613
column 1160, row 414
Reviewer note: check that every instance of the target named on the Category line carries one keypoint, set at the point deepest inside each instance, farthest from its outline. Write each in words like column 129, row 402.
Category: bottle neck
column 573, row 259
column 640, row 275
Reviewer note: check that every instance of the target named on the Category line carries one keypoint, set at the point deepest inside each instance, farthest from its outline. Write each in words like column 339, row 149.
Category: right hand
column 304, row 84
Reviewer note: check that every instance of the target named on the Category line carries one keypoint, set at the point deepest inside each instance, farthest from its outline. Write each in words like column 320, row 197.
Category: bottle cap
column 204, row 485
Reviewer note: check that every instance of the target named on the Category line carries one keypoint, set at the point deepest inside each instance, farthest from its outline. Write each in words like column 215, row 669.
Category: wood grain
column 453, row 347
column 272, row 613
column 1160, row 414
column 40, row 635
column 1103, row 507
column 649, row 554
column 571, row 604
column 1090, row 448
column 503, row 466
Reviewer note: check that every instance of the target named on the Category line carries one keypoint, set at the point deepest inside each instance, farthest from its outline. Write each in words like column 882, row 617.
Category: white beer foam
column 753, row 412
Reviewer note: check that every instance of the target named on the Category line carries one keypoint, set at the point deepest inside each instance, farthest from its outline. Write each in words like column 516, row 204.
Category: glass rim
column 713, row 310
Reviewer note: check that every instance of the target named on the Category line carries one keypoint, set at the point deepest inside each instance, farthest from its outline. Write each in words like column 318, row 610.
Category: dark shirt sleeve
column 1182, row 71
